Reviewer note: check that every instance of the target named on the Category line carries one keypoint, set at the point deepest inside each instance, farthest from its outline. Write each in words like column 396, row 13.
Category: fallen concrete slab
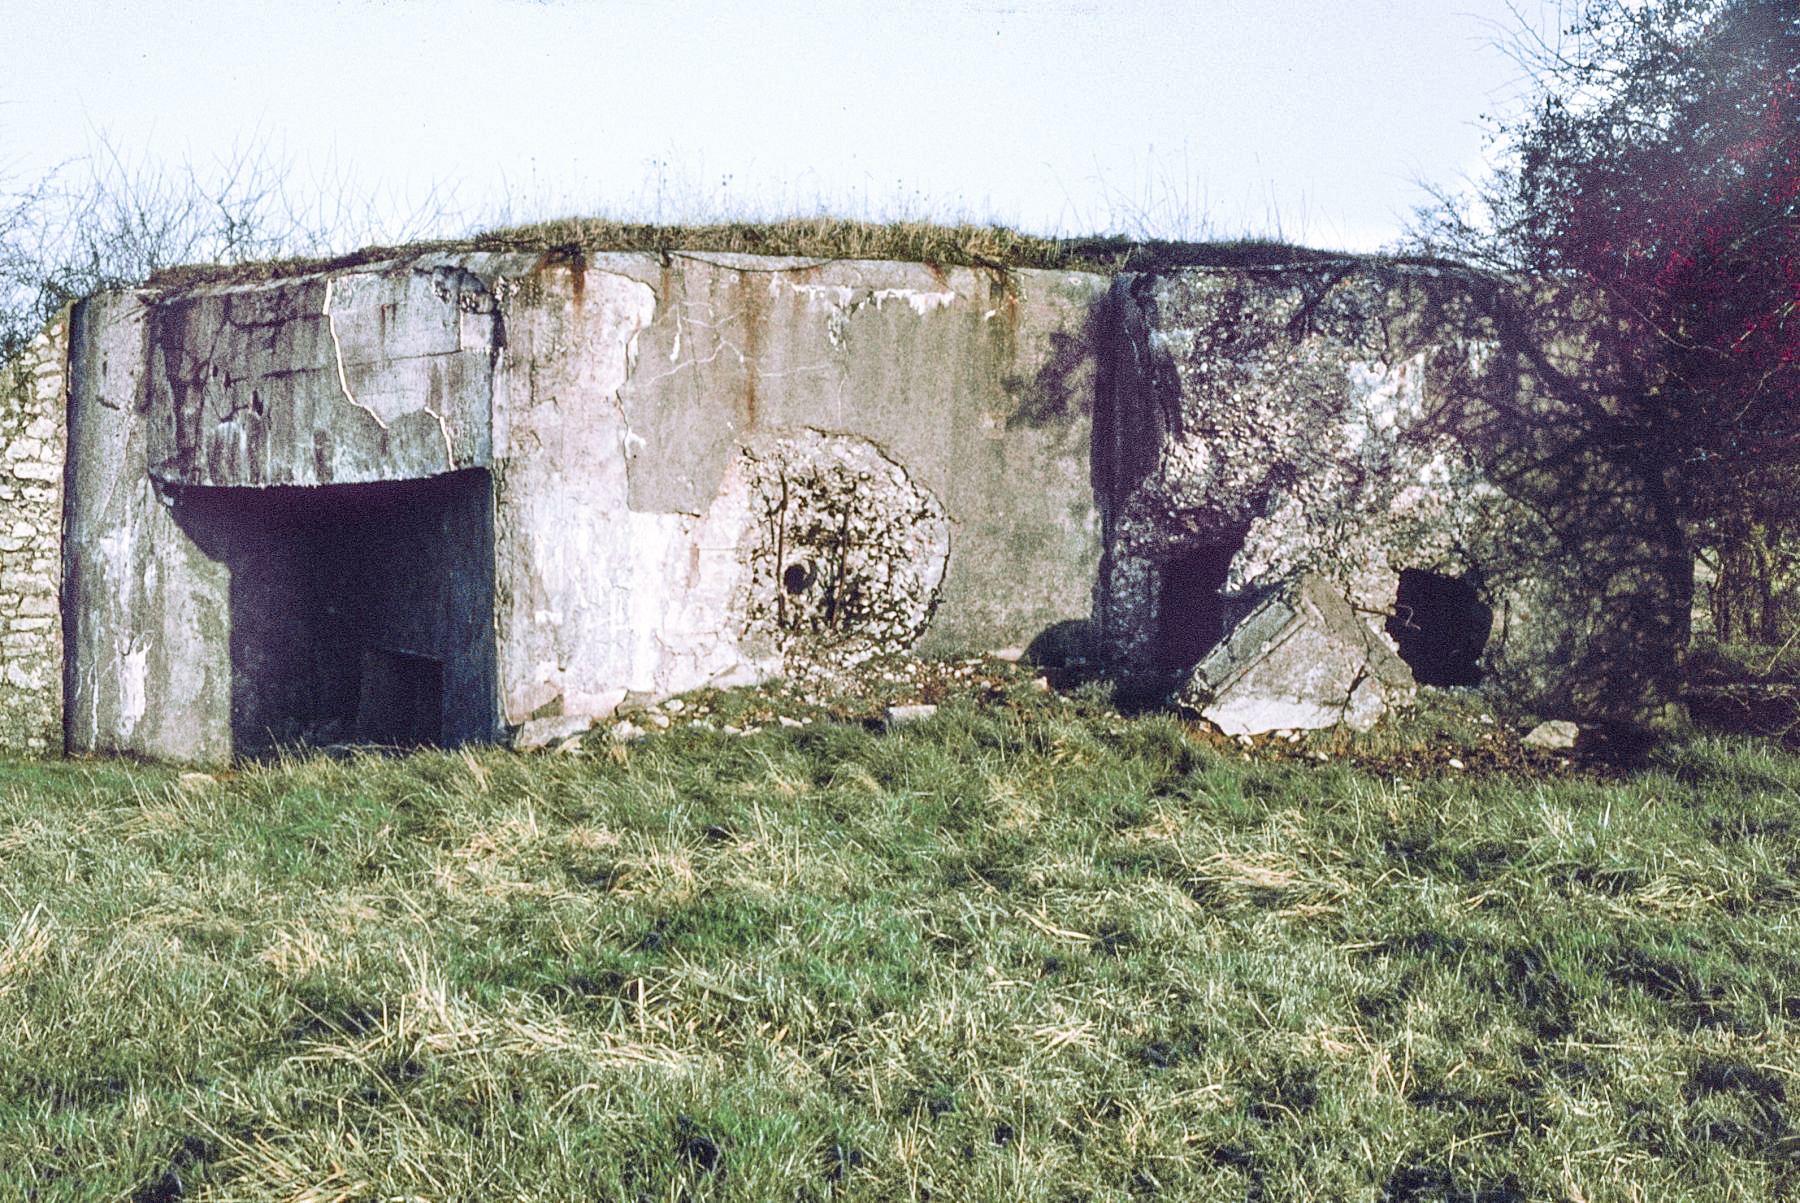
column 1302, row 659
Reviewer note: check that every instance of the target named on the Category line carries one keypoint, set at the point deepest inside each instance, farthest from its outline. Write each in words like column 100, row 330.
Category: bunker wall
column 692, row 471
column 440, row 497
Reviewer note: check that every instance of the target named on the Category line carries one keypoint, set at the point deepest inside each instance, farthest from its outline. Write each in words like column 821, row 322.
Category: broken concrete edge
column 1382, row 424
column 1301, row 659
column 538, row 733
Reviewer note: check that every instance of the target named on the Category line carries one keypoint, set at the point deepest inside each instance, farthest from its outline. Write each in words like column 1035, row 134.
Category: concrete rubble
column 1556, row 735
column 1301, row 660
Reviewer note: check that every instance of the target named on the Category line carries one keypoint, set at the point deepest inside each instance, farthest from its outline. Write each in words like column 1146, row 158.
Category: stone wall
column 33, row 391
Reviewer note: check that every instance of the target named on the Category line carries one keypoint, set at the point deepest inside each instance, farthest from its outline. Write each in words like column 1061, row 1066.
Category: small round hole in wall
column 796, row 577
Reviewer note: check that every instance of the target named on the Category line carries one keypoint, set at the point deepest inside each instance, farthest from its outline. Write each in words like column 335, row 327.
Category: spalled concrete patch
column 846, row 554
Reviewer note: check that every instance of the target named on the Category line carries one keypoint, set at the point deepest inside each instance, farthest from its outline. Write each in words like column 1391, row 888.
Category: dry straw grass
column 1031, row 950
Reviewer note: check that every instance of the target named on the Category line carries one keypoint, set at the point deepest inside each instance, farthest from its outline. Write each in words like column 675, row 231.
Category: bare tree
column 113, row 220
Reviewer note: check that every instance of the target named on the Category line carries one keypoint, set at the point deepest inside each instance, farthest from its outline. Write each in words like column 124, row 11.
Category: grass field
column 1027, row 949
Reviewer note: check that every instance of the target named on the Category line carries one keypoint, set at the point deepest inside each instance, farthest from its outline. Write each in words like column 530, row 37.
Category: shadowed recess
column 358, row 612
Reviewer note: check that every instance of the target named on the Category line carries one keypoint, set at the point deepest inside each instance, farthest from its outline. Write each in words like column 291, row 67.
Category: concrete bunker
column 357, row 613
column 438, row 500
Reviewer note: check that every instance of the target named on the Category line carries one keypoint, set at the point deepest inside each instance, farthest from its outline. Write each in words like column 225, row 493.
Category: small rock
column 1454, row 763
column 627, row 730
column 674, row 705
column 1557, row 735
column 899, row 716
column 785, row 721
column 544, row 732
column 657, row 719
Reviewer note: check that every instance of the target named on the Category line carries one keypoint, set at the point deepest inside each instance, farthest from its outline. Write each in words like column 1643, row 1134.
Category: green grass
column 1020, row 951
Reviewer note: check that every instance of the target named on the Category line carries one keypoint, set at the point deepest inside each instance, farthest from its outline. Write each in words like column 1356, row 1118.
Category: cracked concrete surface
column 604, row 430
column 367, row 375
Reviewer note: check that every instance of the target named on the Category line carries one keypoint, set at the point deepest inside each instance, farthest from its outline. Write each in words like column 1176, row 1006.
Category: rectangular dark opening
column 1190, row 606
column 359, row 612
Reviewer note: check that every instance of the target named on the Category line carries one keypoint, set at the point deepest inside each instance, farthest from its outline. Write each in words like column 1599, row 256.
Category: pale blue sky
column 1058, row 116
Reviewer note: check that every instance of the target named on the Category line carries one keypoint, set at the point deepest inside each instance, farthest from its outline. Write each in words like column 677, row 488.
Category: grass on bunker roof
column 823, row 238
column 1025, row 949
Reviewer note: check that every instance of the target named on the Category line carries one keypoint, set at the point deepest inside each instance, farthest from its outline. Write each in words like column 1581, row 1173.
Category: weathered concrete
column 1557, row 735
column 1392, row 429
column 810, row 458
column 148, row 666
column 452, row 496
column 700, row 471
column 359, row 376
column 1301, row 659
